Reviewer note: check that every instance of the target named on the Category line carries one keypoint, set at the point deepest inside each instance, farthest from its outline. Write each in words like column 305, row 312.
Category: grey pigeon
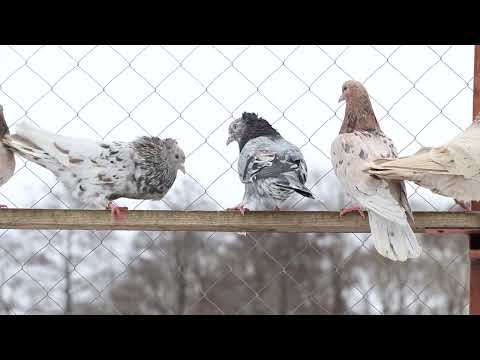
column 7, row 158
column 451, row 170
column 271, row 168
column 361, row 140
column 96, row 173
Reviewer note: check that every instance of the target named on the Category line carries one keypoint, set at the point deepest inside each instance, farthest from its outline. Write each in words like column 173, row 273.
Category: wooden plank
column 222, row 221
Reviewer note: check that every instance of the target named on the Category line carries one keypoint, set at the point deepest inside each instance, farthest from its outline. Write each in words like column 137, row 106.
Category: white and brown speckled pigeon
column 271, row 168
column 451, row 170
column 7, row 158
column 97, row 173
column 360, row 141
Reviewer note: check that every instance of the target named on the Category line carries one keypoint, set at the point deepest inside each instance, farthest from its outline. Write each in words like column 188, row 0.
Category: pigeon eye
column 234, row 127
column 176, row 156
column 344, row 88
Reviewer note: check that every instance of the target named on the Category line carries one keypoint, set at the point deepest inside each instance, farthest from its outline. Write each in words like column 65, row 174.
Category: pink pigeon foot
column 3, row 206
column 352, row 209
column 241, row 208
column 118, row 212
column 276, row 208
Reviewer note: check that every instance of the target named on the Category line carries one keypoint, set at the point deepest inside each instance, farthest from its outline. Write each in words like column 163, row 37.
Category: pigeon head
column 359, row 113
column 353, row 91
column 236, row 130
column 248, row 127
column 176, row 155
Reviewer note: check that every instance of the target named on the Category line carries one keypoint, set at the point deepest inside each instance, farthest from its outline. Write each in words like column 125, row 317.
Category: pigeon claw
column 352, row 209
column 118, row 212
column 240, row 208
column 3, row 206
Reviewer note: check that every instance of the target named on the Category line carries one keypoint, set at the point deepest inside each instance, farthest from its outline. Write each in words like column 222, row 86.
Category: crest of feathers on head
column 250, row 117
column 255, row 127
column 254, row 122
column 148, row 147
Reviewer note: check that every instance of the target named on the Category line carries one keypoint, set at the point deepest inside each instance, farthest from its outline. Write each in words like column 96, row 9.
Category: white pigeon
column 361, row 140
column 7, row 158
column 451, row 170
column 96, row 173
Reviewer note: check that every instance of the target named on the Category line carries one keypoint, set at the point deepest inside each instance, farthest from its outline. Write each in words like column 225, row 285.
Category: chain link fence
column 422, row 96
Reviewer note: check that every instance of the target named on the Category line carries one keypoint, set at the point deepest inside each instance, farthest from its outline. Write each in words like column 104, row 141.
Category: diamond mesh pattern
column 421, row 95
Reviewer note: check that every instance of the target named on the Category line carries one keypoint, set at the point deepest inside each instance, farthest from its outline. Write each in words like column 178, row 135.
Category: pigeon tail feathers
column 392, row 240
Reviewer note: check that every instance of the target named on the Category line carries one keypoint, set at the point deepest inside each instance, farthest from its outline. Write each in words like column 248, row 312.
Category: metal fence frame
column 475, row 239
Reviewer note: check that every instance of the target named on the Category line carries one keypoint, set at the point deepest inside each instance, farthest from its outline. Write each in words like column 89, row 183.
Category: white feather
column 386, row 205
column 74, row 159
column 450, row 170
column 392, row 240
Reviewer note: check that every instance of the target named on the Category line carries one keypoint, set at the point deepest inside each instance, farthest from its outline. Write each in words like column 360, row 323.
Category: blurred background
column 422, row 96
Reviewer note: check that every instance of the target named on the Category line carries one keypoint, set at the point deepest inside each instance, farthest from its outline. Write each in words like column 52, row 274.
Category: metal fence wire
column 422, row 96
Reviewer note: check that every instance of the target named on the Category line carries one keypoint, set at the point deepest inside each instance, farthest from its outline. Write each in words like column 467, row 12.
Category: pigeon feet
column 3, row 206
column 241, row 208
column 352, row 209
column 118, row 212
column 276, row 208
column 467, row 206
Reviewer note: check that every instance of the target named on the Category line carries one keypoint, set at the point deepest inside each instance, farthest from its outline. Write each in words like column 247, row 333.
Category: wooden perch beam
column 223, row 221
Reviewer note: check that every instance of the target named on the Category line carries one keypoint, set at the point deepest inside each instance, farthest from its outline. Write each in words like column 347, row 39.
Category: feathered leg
column 118, row 212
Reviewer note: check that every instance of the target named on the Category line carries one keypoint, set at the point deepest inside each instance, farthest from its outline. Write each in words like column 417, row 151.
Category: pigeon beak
column 342, row 98
column 182, row 168
column 230, row 139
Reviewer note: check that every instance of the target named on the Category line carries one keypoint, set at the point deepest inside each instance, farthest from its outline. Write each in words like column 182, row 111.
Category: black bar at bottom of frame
column 475, row 242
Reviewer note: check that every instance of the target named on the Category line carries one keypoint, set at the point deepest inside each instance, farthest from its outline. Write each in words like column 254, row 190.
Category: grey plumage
column 4, row 130
column 271, row 168
column 7, row 158
column 97, row 173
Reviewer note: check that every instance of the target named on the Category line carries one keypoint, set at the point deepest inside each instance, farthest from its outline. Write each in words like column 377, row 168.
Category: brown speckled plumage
column 360, row 141
column 96, row 172
column 359, row 113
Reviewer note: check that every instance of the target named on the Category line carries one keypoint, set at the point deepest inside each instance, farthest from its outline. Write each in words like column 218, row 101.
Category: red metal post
column 475, row 238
